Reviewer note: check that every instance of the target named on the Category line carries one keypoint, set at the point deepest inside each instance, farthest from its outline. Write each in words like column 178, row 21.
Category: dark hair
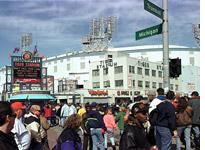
column 138, row 98
column 5, row 109
column 170, row 95
column 107, row 109
column 139, row 107
column 73, row 121
column 194, row 93
column 182, row 104
column 160, row 91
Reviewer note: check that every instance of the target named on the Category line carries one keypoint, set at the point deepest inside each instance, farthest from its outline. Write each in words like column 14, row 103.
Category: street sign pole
column 161, row 28
column 165, row 33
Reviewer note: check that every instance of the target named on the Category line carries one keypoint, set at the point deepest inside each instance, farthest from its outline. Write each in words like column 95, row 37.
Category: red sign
column 32, row 81
column 97, row 92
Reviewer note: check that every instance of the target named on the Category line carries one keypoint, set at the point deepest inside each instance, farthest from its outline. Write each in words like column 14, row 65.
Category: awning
column 32, row 97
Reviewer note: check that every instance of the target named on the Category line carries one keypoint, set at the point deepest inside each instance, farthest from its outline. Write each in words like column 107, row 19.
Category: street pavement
column 53, row 134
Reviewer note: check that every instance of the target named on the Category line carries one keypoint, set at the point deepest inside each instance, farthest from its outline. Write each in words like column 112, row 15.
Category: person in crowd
column 166, row 123
column 110, row 124
column 48, row 112
column 54, row 119
column 69, row 139
column 134, row 136
column 64, row 112
column 21, row 134
column 58, row 112
column 81, row 110
column 138, row 98
column 7, row 119
column 32, row 122
column 171, row 96
column 157, row 100
column 183, row 121
column 87, row 139
column 153, row 114
column 95, row 124
column 174, row 101
column 151, row 94
column 45, row 125
column 72, row 109
column 57, row 109
column 120, row 119
column 194, row 102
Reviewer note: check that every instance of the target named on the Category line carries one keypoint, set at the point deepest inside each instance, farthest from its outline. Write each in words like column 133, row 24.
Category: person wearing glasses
column 21, row 134
column 32, row 122
column 7, row 118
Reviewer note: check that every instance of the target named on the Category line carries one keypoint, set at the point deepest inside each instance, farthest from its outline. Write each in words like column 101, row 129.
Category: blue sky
column 58, row 26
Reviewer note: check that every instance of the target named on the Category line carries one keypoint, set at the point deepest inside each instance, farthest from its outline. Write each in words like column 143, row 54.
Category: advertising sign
column 50, row 83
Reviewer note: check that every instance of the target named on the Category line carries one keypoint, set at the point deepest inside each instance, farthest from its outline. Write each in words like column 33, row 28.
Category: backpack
column 153, row 116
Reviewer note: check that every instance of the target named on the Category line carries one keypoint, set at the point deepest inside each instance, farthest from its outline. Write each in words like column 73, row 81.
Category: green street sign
column 154, row 9
column 151, row 31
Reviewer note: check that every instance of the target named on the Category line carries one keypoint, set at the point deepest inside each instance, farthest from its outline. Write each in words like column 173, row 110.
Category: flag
column 35, row 51
column 10, row 55
column 16, row 50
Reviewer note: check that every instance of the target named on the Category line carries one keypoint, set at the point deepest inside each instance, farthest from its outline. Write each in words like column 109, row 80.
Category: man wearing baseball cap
column 21, row 134
column 134, row 135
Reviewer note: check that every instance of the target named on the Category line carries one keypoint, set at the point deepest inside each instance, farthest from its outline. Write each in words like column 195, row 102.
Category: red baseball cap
column 17, row 105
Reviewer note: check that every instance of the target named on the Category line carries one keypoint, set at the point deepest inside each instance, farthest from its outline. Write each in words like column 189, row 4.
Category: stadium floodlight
column 196, row 32
column 100, row 36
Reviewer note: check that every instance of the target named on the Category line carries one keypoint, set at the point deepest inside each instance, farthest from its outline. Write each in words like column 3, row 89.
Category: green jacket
column 120, row 120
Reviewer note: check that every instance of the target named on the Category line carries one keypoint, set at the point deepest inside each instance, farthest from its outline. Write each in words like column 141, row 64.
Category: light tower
column 196, row 32
column 100, row 36
column 26, row 41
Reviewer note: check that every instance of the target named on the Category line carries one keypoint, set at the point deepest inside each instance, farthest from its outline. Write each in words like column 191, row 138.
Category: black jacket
column 134, row 138
column 95, row 120
column 7, row 142
column 166, row 115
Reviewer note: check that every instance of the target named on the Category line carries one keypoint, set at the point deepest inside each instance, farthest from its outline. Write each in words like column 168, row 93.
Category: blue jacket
column 166, row 115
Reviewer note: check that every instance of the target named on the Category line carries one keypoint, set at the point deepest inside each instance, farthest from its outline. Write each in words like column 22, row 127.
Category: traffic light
column 174, row 67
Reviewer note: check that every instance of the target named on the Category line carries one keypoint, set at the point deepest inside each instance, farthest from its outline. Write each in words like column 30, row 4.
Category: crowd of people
column 147, row 124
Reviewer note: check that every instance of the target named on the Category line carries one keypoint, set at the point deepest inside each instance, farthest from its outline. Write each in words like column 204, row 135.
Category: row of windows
column 147, row 72
column 147, row 84
column 82, row 66
column 118, row 83
column 119, row 69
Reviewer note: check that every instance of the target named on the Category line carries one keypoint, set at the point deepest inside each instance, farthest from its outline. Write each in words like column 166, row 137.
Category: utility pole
column 165, row 35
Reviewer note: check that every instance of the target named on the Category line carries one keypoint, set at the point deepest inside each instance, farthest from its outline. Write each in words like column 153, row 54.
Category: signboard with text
column 148, row 32
column 153, row 9
column 27, row 72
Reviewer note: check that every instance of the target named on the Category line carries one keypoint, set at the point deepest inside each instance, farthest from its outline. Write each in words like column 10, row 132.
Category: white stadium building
column 118, row 73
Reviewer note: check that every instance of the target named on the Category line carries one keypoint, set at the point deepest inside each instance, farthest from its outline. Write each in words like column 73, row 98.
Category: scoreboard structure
column 26, row 73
